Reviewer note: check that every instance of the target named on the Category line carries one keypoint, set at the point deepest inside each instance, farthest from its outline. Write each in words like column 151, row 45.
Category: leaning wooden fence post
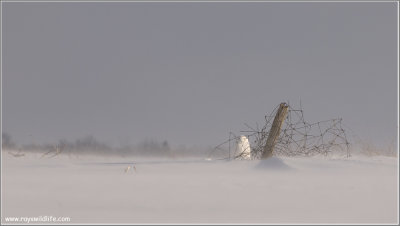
column 275, row 131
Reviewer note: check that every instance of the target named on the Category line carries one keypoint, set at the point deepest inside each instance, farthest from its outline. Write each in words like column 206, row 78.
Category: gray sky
column 191, row 72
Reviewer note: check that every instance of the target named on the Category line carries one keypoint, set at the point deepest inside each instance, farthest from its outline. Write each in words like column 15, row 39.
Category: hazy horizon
column 189, row 73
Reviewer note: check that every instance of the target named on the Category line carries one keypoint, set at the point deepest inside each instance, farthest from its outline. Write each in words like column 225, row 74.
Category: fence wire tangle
column 297, row 137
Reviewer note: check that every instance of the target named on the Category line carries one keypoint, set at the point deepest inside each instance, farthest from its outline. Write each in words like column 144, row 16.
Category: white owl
column 243, row 148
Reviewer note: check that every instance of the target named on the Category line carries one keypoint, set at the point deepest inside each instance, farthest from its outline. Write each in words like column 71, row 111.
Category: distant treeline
column 90, row 145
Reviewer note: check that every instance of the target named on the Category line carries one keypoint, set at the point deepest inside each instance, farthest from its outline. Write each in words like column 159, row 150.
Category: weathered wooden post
column 275, row 130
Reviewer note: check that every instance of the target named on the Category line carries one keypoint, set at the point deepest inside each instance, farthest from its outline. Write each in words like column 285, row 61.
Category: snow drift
column 277, row 190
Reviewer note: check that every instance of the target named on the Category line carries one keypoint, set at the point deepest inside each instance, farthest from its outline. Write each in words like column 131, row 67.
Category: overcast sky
column 191, row 72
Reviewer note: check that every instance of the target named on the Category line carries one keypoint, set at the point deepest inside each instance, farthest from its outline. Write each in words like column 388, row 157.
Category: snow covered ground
column 279, row 190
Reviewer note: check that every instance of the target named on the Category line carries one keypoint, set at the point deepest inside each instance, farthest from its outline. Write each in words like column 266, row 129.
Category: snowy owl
column 243, row 148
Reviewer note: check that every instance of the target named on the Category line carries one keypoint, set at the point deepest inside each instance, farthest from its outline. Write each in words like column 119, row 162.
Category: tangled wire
column 297, row 137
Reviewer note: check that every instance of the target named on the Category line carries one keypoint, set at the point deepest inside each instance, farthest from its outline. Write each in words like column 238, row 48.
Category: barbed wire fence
column 297, row 137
